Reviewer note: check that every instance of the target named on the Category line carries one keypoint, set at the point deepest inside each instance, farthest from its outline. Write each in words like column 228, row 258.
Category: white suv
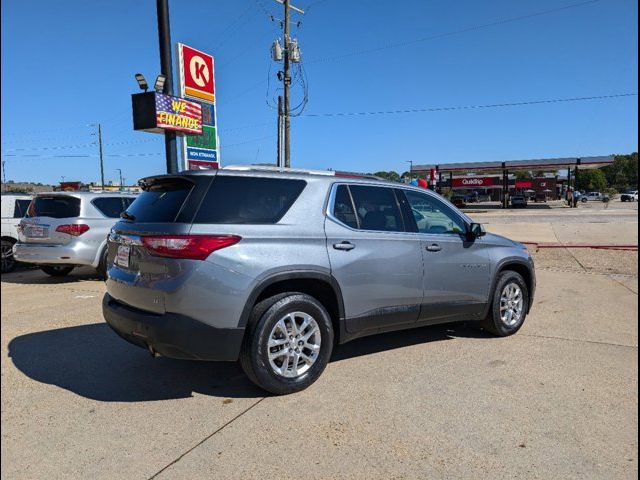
column 63, row 230
column 14, row 207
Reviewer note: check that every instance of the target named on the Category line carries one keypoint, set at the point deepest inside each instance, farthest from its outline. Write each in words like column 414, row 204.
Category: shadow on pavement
column 405, row 338
column 93, row 362
column 35, row 276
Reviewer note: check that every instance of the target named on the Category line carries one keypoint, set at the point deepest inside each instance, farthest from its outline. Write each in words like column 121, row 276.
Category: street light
column 142, row 82
column 159, row 86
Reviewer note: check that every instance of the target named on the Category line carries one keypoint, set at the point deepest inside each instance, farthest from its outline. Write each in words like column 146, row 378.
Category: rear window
column 21, row 207
column 160, row 202
column 112, row 207
column 248, row 200
column 55, row 206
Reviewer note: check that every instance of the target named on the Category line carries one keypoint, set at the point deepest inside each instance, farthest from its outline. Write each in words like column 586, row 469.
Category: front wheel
column 8, row 262
column 509, row 306
column 288, row 344
column 57, row 271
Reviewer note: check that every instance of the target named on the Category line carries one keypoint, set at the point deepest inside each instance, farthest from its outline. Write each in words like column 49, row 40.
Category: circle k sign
column 196, row 73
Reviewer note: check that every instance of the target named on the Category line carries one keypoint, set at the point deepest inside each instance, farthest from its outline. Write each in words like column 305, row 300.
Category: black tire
column 57, row 271
column 584, row 200
column 493, row 322
column 102, row 266
column 254, row 353
column 8, row 262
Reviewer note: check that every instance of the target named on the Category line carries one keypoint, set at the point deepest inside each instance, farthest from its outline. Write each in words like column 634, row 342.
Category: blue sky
column 66, row 65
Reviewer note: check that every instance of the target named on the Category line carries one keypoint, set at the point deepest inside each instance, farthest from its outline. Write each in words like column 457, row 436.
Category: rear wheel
column 8, row 262
column 509, row 306
column 288, row 344
column 57, row 270
column 102, row 266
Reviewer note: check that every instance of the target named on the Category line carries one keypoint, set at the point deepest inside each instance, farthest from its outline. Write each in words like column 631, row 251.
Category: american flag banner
column 177, row 114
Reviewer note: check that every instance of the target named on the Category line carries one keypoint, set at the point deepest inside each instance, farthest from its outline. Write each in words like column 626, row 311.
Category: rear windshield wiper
column 127, row 216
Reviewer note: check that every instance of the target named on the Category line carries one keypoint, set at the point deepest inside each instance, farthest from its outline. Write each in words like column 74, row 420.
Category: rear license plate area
column 123, row 255
column 36, row 231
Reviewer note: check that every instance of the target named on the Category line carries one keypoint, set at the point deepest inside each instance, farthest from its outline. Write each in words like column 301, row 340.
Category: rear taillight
column 195, row 247
column 75, row 229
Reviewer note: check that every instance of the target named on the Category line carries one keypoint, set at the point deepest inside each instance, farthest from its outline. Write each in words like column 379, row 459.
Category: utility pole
column 121, row 179
column 287, row 87
column 286, row 78
column 164, row 36
column 101, row 157
column 280, row 164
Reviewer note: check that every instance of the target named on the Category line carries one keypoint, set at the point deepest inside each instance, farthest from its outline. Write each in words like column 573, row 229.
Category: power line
column 454, row 32
column 227, row 32
column 469, row 107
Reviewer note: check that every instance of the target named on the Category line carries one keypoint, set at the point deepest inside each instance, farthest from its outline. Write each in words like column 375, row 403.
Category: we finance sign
column 177, row 114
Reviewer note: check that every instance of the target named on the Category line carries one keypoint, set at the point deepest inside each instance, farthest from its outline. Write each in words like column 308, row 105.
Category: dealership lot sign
column 156, row 112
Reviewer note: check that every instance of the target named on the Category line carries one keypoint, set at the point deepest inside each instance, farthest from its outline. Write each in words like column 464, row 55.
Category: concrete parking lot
column 557, row 400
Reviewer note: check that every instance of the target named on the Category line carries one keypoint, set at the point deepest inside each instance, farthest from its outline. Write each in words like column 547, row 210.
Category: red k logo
column 199, row 71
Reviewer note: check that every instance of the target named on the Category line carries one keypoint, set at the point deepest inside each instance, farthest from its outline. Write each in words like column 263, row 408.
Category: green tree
column 591, row 180
column 623, row 174
column 523, row 175
column 390, row 175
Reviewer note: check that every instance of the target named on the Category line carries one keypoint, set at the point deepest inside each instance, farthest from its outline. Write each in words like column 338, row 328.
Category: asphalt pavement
column 557, row 400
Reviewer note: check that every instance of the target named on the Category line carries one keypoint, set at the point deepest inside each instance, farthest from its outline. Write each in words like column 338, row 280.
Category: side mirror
column 476, row 230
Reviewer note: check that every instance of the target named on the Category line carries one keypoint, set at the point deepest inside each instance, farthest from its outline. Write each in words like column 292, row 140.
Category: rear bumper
column 40, row 254
column 172, row 335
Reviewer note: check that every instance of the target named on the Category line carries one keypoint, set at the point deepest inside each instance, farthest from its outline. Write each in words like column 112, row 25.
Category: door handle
column 434, row 247
column 344, row 246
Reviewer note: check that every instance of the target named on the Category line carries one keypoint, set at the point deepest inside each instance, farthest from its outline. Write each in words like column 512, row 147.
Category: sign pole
column 164, row 37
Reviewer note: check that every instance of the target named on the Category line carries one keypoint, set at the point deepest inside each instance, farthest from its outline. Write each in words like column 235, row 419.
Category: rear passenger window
column 112, row 207
column 20, row 209
column 377, row 208
column 343, row 207
column 248, row 200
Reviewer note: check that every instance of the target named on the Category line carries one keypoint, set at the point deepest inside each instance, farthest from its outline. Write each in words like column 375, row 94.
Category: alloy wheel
column 511, row 304
column 294, row 344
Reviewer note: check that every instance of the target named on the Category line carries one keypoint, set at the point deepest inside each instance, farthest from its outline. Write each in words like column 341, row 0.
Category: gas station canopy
column 515, row 165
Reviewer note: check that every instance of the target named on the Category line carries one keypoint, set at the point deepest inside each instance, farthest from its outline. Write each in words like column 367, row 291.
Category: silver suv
column 275, row 267
column 63, row 230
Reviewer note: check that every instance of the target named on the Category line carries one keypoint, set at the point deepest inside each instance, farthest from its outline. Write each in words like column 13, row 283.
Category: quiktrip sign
column 474, row 182
column 197, row 82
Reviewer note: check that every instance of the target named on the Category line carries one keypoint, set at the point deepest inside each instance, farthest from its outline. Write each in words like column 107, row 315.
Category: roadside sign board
column 156, row 112
column 197, row 82
column 197, row 74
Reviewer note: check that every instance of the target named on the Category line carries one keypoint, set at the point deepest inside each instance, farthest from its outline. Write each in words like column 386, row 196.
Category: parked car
column 592, row 197
column 14, row 207
column 519, row 201
column 472, row 197
column 63, row 230
column 275, row 267
column 459, row 201
column 630, row 196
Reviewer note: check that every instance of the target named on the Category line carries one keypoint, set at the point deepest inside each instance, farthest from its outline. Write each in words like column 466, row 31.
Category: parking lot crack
column 578, row 340
column 181, row 456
